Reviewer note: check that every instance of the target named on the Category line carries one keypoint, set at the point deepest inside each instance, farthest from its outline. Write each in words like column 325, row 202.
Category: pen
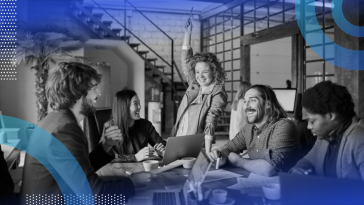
column 192, row 188
column 218, row 160
column 199, row 191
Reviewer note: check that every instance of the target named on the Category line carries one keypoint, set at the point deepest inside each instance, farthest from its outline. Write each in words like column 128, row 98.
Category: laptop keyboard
column 164, row 198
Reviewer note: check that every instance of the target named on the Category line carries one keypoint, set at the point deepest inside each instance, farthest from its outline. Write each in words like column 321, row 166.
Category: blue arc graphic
column 58, row 160
column 342, row 22
column 313, row 37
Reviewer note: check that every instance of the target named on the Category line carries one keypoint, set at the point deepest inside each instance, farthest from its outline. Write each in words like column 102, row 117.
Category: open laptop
column 302, row 189
column 182, row 146
column 177, row 196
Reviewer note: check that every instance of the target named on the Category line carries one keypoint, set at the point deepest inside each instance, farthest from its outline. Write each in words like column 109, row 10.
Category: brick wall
column 171, row 23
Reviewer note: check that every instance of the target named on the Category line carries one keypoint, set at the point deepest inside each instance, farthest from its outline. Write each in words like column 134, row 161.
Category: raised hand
column 188, row 26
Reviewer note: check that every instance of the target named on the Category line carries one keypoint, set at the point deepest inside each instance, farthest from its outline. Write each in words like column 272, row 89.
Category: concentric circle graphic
column 310, row 29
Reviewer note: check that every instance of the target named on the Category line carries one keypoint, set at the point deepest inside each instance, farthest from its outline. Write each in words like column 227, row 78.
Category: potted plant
column 40, row 47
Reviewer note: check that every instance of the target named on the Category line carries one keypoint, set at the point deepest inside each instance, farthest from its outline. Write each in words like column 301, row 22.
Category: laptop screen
column 198, row 172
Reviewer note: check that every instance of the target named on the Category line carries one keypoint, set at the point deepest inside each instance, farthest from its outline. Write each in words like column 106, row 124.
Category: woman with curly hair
column 205, row 98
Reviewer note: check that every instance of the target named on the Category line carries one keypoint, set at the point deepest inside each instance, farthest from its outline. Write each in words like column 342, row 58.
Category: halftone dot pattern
column 58, row 199
column 7, row 39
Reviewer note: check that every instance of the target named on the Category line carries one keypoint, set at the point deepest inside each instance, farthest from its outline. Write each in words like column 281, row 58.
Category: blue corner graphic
column 312, row 32
column 57, row 159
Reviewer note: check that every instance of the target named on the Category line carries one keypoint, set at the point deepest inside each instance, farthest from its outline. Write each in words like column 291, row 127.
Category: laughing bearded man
column 269, row 137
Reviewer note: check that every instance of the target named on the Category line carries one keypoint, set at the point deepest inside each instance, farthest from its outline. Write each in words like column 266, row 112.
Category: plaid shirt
column 274, row 141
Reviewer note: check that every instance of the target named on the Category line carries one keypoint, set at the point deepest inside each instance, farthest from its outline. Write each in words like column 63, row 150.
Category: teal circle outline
column 316, row 44
column 342, row 22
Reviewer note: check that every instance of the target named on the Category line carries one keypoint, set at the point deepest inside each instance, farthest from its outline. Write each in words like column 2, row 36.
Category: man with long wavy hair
column 269, row 137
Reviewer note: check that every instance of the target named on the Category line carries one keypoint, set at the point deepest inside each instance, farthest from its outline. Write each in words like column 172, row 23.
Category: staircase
column 223, row 126
column 114, row 29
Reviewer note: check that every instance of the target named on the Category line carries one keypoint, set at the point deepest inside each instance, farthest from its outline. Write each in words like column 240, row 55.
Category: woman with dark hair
column 205, row 98
column 238, row 115
column 136, row 132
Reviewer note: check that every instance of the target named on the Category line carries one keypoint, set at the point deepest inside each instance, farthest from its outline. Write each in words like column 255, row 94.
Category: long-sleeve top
column 140, row 134
column 275, row 142
column 203, row 110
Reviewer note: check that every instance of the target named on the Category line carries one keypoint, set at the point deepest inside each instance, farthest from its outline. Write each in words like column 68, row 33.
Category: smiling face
column 254, row 106
column 135, row 108
column 204, row 74
column 87, row 106
column 321, row 125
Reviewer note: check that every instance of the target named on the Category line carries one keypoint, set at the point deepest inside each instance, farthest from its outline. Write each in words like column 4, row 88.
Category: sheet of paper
column 219, row 175
column 234, row 187
column 253, row 184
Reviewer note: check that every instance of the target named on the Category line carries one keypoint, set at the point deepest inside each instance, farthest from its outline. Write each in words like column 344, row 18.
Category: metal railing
column 172, row 64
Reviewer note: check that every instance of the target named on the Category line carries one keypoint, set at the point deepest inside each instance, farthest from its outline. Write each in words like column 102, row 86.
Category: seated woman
column 136, row 132
column 205, row 98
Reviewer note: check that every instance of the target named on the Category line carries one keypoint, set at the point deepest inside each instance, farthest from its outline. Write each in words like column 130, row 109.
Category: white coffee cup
column 190, row 161
column 150, row 165
column 272, row 191
column 219, row 195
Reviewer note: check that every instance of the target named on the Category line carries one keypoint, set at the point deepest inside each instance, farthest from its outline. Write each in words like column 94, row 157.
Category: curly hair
column 68, row 83
column 327, row 97
column 215, row 66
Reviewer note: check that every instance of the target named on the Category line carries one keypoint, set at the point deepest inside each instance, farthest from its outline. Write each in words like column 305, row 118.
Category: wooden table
column 177, row 177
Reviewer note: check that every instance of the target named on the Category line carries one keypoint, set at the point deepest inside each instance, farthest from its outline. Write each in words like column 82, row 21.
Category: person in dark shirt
column 136, row 132
column 339, row 149
column 6, row 182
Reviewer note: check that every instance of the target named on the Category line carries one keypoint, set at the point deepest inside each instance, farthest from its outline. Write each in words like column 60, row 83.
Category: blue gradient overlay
column 307, row 21
column 58, row 160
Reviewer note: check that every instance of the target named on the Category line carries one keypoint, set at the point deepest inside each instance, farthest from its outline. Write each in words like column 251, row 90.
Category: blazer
column 350, row 159
column 205, row 113
column 64, row 127
column 6, row 182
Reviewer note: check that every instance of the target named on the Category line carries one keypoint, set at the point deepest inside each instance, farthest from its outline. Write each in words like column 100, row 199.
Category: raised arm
column 187, row 54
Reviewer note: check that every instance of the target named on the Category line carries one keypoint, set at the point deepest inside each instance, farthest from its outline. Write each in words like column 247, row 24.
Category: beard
column 87, row 107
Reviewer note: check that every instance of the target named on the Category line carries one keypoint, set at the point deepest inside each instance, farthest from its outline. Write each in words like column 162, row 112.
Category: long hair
column 215, row 66
column 68, row 83
column 121, row 114
column 275, row 110
column 243, row 87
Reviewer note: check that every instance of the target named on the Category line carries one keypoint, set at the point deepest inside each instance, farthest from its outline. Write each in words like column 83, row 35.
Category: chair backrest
column 305, row 136
column 93, row 126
